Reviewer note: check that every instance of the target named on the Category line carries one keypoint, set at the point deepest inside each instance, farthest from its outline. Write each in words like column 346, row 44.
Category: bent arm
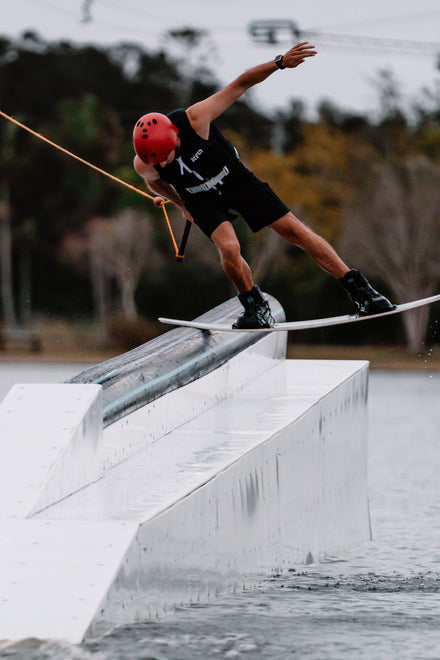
column 166, row 190
column 155, row 183
column 201, row 114
column 160, row 187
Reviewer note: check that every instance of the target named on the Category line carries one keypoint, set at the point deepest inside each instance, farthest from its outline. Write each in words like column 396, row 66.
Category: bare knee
column 229, row 249
column 293, row 230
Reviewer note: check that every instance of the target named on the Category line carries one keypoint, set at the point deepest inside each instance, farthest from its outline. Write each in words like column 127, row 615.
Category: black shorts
column 255, row 201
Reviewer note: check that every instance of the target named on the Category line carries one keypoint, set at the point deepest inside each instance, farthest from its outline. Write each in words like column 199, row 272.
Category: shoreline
column 379, row 357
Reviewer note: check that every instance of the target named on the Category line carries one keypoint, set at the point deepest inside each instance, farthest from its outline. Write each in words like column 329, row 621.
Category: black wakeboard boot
column 256, row 313
column 366, row 300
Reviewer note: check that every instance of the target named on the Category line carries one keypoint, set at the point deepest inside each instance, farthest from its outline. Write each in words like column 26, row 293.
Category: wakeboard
column 302, row 325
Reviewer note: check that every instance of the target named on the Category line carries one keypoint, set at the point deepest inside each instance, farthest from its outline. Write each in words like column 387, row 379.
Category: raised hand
column 298, row 54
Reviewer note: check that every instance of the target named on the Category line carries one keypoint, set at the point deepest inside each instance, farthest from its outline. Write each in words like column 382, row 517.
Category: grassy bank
column 62, row 341
column 380, row 357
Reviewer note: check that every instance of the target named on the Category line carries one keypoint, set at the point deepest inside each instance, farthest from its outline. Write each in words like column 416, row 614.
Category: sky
column 363, row 41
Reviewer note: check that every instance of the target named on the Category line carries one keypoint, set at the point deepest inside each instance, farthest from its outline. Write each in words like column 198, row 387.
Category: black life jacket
column 206, row 170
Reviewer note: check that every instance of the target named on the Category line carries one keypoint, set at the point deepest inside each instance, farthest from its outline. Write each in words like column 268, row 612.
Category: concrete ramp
column 230, row 463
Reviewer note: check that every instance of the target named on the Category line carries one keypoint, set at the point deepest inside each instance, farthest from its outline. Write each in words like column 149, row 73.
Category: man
column 184, row 158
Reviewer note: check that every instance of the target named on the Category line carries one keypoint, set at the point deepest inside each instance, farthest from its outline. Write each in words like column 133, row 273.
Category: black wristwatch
column 279, row 62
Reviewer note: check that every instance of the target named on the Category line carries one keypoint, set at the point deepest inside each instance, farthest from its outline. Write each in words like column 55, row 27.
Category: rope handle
column 183, row 241
column 97, row 169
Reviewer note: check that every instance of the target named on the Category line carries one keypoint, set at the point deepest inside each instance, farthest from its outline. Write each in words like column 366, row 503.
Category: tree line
column 74, row 244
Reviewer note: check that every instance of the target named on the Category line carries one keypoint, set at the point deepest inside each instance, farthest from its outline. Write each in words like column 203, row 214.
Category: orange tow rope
column 97, row 169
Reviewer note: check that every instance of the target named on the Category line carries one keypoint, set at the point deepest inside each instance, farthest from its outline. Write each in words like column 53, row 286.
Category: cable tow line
column 179, row 252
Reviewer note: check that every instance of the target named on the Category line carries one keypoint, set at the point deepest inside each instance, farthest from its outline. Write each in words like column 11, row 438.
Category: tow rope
column 178, row 249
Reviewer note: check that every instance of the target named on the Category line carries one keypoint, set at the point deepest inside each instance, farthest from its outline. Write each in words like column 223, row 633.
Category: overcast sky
column 340, row 73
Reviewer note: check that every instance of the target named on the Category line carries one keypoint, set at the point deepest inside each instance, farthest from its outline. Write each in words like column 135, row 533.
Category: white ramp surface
column 270, row 478
column 49, row 438
column 53, row 576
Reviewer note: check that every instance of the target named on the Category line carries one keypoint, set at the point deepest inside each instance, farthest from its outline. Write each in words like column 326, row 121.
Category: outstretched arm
column 201, row 114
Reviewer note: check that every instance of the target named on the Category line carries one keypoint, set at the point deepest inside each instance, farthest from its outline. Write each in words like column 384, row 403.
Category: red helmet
column 154, row 138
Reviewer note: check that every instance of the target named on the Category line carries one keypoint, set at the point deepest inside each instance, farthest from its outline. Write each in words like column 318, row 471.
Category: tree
column 392, row 230
column 312, row 179
column 390, row 136
column 7, row 291
column 194, row 51
column 92, row 131
column 389, row 93
column 128, row 248
column 6, row 275
column 114, row 249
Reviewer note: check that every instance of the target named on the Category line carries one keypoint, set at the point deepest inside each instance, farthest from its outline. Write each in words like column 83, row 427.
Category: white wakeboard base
column 301, row 325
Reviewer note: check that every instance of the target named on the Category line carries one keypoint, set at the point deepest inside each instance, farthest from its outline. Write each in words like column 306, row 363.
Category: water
column 381, row 601
column 44, row 372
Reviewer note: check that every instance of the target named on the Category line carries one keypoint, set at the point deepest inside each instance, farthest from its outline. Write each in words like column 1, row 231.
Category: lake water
column 382, row 601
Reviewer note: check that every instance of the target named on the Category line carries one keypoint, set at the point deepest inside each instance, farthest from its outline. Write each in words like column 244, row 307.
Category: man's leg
column 235, row 267
column 365, row 299
column 294, row 231
column 256, row 309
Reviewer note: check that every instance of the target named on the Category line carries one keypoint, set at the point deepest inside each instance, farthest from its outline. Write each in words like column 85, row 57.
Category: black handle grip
column 187, row 229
